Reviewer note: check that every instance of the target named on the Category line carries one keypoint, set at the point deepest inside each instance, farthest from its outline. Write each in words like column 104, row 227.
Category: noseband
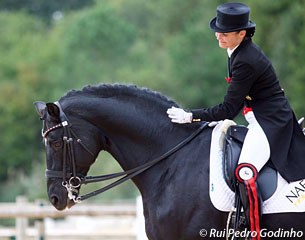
column 72, row 181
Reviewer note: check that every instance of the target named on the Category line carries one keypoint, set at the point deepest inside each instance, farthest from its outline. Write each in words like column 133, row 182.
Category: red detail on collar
column 228, row 79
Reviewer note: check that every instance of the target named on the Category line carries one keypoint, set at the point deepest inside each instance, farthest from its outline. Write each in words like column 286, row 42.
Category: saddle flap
column 237, row 132
column 267, row 181
column 233, row 141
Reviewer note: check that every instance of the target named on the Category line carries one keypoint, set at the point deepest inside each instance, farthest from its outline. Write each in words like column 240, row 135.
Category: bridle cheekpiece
column 70, row 180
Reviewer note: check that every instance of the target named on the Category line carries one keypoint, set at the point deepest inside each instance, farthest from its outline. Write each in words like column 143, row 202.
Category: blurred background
column 50, row 47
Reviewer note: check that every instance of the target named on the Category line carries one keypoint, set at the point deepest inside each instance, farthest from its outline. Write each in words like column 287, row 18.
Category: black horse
column 131, row 124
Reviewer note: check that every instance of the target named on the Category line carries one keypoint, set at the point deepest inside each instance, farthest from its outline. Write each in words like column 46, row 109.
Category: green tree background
column 50, row 47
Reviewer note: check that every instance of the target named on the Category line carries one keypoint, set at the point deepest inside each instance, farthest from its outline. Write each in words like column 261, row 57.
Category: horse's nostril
column 54, row 200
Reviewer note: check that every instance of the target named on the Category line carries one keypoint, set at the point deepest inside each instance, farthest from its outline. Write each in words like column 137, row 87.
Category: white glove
column 178, row 115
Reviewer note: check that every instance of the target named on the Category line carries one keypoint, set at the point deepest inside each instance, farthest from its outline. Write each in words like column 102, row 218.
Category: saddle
column 233, row 141
column 266, row 180
column 222, row 176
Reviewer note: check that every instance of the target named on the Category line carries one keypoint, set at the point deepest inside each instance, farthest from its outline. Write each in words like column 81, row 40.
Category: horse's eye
column 56, row 144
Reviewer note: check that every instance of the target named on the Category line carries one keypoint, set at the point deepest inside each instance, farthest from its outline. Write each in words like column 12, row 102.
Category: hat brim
column 224, row 30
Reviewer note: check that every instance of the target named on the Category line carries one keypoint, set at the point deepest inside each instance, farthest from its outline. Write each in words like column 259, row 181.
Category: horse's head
column 70, row 150
column 128, row 122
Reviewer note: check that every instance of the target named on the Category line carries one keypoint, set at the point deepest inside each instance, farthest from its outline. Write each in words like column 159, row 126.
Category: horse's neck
column 135, row 133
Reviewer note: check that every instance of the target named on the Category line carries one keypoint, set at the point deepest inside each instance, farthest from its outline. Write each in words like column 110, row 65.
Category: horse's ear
column 40, row 108
column 53, row 110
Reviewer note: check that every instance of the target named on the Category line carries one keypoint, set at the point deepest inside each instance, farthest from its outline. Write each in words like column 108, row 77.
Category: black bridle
column 72, row 181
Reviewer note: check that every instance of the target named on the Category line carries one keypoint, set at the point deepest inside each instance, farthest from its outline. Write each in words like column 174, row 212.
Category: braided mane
column 120, row 91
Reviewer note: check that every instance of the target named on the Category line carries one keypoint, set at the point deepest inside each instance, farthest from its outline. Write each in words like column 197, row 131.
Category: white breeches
column 256, row 148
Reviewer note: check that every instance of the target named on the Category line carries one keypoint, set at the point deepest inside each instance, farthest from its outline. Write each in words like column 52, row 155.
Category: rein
column 72, row 182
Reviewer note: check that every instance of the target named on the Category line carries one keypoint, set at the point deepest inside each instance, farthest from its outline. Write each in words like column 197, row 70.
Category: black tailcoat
column 253, row 77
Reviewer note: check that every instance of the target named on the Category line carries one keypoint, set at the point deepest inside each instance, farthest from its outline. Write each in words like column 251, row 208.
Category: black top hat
column 231, row 17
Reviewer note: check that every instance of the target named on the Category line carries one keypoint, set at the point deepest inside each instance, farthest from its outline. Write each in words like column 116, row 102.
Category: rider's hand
column 178, row 115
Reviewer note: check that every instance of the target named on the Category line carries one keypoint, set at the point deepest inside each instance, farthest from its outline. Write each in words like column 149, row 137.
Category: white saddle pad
column 288, row 197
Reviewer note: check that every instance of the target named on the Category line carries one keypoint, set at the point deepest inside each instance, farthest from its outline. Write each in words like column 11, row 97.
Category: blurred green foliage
column 43, row 9
column 50, row 47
